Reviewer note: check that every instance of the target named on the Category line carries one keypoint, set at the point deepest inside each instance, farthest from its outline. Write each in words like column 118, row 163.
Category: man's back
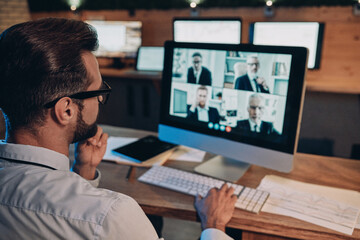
column 49, row 202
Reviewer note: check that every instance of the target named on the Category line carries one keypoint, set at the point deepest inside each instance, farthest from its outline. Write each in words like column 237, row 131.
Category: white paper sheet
column 333, row 208
column 115, row 142
column 183, row 153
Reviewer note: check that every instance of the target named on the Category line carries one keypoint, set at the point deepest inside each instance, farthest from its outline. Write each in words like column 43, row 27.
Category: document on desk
column 334, row 208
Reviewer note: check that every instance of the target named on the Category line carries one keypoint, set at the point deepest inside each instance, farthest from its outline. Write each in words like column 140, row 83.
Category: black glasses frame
column 86, row 94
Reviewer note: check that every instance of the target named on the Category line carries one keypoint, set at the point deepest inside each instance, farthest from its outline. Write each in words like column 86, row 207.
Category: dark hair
column 197, row 54
column 39, row 62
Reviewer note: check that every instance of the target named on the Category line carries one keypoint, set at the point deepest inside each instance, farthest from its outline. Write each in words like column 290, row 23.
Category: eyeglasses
column 102, row 95
column 196, row 62
column 253, row 64
column 256, row 107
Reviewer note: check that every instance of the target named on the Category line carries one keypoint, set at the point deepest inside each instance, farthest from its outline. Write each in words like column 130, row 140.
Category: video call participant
column 50, row 95
column 199, row 111
column 251, row 81
column 254, row 123
column 198, row 74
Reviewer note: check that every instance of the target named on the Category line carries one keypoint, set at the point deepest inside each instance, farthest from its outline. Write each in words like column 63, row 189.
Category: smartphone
column 143, row 149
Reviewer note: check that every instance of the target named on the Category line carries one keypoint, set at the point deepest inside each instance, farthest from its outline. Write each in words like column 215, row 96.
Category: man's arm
column 89, row 153
column 216, row 209
column 190, row 76
column 209, row 79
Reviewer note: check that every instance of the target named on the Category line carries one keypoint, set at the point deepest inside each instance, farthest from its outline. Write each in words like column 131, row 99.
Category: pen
column 129, row 173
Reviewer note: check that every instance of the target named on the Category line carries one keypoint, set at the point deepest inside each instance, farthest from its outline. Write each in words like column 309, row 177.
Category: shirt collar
column 206, row 108
column 252, row 125
column 35, row 155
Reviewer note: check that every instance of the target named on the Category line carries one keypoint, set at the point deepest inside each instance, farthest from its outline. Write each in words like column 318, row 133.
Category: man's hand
column 216, row 209
column 89, row 153
column 194, row 105
column 261, row 81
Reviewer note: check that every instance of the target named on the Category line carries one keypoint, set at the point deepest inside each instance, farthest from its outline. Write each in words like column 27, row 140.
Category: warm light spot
column 270, row 3
column 193, row 4
column 73, row 8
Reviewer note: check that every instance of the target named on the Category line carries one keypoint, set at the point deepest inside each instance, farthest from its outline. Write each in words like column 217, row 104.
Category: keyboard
column 249, row 199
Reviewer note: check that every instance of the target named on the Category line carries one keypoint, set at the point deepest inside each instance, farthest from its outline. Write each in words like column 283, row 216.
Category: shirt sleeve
column 214, row 234
column 126, row 220
column 95, row 182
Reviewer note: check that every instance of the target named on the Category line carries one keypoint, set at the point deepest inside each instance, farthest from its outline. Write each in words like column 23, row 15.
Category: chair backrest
column 2, row 126
column 239, row 69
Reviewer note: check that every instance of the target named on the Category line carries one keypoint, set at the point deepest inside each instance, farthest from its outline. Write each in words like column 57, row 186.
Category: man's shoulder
column 243, row 77
column 268, row 124
column 58, row 193
column 205, row 69
column 243, row 122
column 61, row 201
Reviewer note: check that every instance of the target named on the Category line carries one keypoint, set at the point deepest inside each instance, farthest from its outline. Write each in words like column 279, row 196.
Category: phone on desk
column 144, row 149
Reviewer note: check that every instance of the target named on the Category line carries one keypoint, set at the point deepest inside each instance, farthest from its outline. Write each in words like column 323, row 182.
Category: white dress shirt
column 197, row 75
column 41, row 199
column 252, row 126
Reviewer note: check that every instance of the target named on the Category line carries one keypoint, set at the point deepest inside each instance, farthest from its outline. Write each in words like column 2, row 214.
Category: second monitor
column 207, row 30
column 117, row 39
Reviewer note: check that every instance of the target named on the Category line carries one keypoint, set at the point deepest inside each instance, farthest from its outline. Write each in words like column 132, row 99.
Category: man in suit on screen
column 199, row 111
column 251, row 81
column 254, row 123
column 197, row 73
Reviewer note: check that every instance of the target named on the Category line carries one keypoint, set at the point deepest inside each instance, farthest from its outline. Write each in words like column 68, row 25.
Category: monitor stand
column 223, row 168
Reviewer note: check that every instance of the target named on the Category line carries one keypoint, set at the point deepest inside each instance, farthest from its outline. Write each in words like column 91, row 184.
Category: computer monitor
column 207, row 30
column 117, row 39
column 303, row 34
column 150, row 59
column 243, row 126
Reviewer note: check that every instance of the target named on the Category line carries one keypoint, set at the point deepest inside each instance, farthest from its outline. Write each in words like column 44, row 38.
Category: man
column 255, row 124
column 199, row 111
column 197, row 73
column 50, row 93
column 251, row 81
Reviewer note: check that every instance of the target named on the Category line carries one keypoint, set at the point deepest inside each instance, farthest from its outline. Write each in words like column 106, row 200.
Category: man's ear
column 64, row 111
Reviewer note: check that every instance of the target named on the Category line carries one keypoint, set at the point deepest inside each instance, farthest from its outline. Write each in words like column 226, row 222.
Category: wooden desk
column 334, row 172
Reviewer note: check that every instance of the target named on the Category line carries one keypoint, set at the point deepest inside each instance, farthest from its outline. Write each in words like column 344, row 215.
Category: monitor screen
column 117, row 38
column 207, row 30
column 242, row 101
column 150, row 59
column 303, row 34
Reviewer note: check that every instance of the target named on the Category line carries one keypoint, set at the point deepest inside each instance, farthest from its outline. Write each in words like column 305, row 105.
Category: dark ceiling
column 60, row 5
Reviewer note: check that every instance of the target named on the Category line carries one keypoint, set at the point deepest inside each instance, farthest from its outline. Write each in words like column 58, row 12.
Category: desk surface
column 334, row 172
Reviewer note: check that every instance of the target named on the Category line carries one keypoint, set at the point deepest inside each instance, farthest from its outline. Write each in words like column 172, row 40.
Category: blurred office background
column 330, row 121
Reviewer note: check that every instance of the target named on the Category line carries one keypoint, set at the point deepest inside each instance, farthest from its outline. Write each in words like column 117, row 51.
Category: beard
column 252, row 75
column 83, row 131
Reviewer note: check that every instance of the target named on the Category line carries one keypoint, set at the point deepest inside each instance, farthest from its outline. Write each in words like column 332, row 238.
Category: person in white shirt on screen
column 198, row 74
column 50, row 92
column 251, row 81
column 254, row 123
column 199, row 111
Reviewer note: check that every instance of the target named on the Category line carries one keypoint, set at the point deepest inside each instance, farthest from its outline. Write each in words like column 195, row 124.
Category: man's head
column 252, row 65
column 201, row 96
column 256, row 108
column 42, row 61
column 197, row 61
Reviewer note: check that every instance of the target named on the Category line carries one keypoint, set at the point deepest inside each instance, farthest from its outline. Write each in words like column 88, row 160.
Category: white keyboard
column 249, row 199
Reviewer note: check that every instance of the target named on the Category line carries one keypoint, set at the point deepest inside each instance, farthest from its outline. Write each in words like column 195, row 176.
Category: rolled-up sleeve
column 214, row 234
